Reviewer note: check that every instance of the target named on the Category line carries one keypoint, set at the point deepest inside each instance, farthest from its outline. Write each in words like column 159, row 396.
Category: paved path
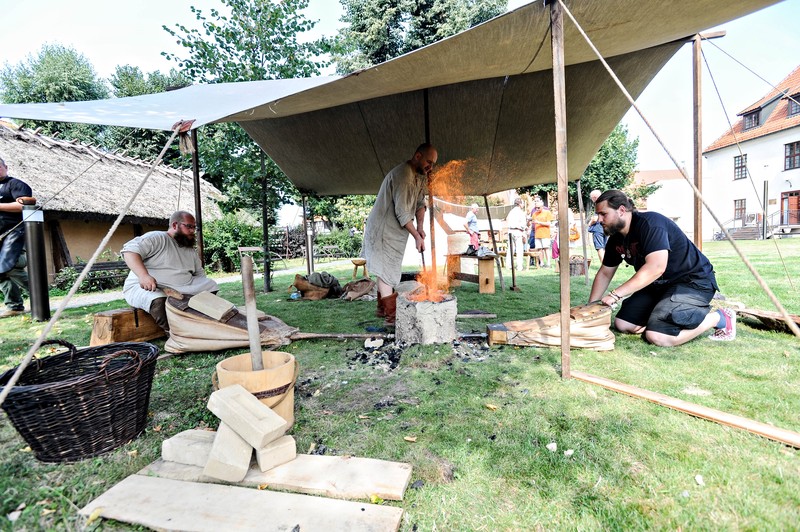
column 83, row 300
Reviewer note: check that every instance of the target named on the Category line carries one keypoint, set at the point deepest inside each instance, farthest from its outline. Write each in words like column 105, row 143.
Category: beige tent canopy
column 488, row 93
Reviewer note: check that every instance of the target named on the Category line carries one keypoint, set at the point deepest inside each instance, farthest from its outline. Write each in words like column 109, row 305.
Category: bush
column 350, row 245
column 222, row 239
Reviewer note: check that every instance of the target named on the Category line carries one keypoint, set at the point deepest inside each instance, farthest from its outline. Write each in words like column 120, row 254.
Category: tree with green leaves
column 56, row 74
column 144, row 144
column 613, row 166
column 379, row 30
column 247, row 40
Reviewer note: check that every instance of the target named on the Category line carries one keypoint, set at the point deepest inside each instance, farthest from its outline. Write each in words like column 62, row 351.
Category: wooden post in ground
column 697, row 114
column 494, row 243
column 198, row 212
column 430, row 189
column 584, row 234
column 559, row 100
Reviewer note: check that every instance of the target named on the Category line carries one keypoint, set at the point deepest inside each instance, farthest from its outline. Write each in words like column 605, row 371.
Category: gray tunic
column 171, row 265
column 402, row 193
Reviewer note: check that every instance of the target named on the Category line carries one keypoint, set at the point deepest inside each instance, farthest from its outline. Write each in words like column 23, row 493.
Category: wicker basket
column 82, row 403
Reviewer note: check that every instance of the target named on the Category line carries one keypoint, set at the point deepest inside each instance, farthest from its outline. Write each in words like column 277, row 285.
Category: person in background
column 164, row 259
column 13, row 276
column 595, row 229
column 400, row 203
column 517, row 223
column 667, row 299
column 471, row 226
column 542, row 221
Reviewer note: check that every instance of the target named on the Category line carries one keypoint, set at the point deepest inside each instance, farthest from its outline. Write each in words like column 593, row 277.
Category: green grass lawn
column 634, row 465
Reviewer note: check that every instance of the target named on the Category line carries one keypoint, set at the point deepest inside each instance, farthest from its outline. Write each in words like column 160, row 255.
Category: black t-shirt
column 649, row 232
column 12, row 188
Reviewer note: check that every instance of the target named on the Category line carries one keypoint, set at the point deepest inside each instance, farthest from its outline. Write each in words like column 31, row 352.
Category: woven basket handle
column 122, row 352
column 63, row 343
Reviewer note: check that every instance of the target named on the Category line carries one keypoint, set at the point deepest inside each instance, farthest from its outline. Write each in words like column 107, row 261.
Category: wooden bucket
column 273, row 385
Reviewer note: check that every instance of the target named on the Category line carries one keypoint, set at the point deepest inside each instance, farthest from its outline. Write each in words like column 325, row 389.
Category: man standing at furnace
column 400, row 203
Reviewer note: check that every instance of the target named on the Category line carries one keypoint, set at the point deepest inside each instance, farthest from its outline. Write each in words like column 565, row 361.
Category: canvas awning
column 489, row 99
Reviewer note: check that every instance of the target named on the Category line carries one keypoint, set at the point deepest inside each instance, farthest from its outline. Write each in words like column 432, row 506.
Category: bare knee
column 660, row 339
column 627, row 327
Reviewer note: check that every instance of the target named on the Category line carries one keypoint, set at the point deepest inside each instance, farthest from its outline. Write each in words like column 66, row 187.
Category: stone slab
column 165, row 504
column 332, row 476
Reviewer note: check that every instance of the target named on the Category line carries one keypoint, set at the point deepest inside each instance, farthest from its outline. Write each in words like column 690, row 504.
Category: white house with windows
column 758, row 157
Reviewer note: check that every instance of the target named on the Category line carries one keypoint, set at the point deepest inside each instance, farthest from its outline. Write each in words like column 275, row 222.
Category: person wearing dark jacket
column 667, row 299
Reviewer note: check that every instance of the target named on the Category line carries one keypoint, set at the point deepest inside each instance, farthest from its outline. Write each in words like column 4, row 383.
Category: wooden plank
column 486, row 276
column 165, row 504
column 332, row 476
column 468, row 277
column 772, row 320
column 762, row 429
column 120, row 326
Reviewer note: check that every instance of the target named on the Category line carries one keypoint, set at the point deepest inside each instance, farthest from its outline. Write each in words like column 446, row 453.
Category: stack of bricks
column 245, row 424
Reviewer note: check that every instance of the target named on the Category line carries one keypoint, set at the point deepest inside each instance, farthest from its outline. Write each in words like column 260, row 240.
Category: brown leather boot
column 390, row 308
column 381, row 312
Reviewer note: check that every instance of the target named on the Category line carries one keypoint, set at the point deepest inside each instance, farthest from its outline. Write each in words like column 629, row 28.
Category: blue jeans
column 13, row 276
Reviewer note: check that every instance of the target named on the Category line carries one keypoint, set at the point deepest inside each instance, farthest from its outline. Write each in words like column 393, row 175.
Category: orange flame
column 431, row 289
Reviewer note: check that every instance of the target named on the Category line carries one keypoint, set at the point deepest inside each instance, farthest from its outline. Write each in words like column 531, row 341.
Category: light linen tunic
column 171, row 265
column 402, row 193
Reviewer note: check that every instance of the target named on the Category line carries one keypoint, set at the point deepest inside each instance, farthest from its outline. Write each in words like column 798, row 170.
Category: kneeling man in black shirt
column 668, row 297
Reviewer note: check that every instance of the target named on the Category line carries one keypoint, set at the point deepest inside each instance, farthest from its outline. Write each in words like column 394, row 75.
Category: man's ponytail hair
column 616, row 199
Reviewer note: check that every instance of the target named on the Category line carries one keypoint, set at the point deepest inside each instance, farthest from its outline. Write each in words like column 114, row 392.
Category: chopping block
column 124, row 325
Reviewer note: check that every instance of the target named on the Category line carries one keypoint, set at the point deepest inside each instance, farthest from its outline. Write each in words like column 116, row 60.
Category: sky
column 112, row 33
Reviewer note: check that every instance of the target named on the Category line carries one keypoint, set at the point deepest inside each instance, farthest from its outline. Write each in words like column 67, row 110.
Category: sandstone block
column 255, row 422
column 230, row 456
column 276, row 453
column 190, row 447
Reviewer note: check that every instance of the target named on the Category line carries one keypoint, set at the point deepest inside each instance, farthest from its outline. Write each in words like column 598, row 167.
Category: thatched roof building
column 86, row 183
column 83, row 189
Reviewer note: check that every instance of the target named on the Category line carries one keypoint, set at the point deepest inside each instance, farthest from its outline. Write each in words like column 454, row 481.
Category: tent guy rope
column 177, row 128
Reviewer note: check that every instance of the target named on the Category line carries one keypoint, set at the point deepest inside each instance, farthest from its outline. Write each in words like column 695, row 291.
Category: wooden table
column 484, row 279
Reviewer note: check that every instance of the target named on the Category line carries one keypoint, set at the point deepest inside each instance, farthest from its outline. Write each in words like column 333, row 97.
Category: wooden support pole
column 309, row 238
column 198, row 211
column 717, row 416
column 584, row 234
column 559, row 85
column 697, row 115
column 494, row 242
column 430, row 189
column 265, row 225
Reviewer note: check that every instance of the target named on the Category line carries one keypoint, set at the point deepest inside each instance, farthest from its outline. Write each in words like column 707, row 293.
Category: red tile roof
column 776, row 121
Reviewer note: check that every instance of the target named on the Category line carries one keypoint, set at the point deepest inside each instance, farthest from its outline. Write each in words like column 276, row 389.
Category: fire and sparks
column 433, row 288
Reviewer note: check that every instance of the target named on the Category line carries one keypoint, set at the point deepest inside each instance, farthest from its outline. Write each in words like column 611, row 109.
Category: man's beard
column 614, row 228
column 185, row 241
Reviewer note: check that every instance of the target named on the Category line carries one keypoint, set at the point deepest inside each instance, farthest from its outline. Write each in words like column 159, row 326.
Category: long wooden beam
column 560, row 104
column 717, row 416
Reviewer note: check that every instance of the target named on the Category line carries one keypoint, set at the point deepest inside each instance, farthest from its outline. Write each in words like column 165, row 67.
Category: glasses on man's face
column 190, row 227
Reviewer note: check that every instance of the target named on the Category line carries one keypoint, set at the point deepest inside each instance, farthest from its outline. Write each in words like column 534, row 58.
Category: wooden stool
column 356, row 264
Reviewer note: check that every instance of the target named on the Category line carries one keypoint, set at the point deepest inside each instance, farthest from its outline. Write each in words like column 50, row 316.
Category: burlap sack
column 589, row 328
column 356, row 289
column 309, row 291
column 192, row 331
